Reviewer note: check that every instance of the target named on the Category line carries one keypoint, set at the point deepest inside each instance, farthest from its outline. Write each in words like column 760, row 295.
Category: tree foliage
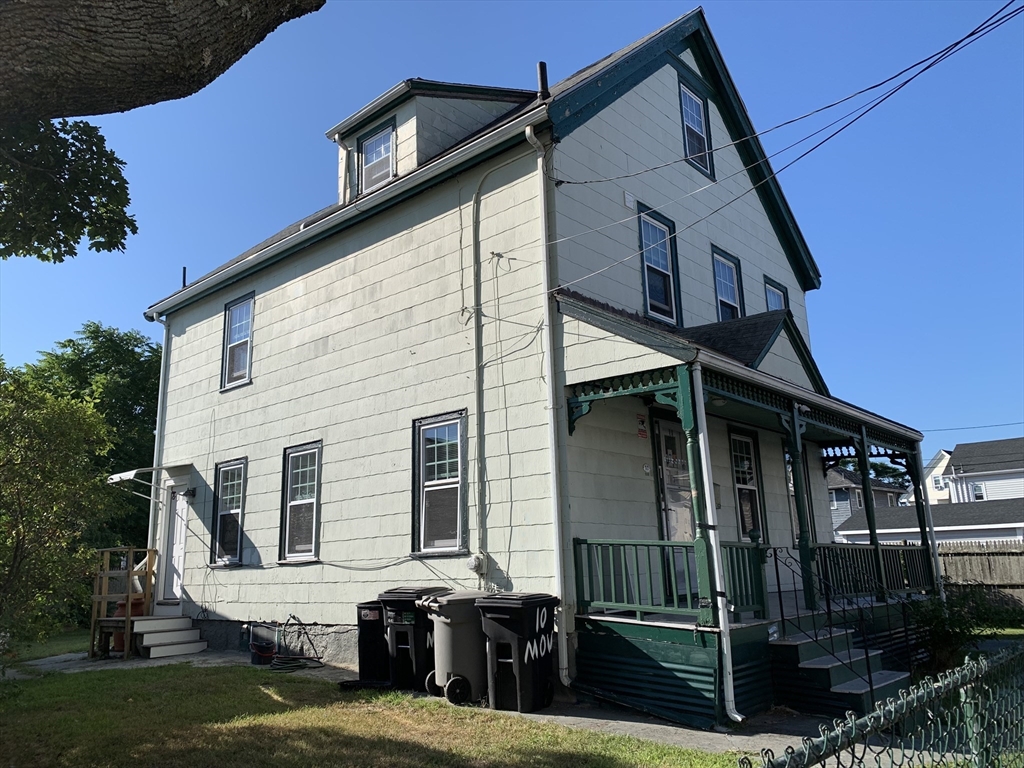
column 59, row 183
column 50, row 493
column 882, row 470
column 118, row 374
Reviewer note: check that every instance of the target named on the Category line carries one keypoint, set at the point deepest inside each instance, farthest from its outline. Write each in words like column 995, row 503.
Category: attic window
column 695, row 134
column 377, row 167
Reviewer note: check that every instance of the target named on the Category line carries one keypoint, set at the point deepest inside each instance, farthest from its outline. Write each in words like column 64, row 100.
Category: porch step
column 144, row 624
column 833, row 669
column 856, row 694
column 153, row 639
column 167, row 608
column 176, row 649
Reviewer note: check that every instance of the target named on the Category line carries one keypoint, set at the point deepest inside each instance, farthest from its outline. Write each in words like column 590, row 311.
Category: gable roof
column 987, row 456
column 746, row 339
column 840, row 477
column 975, row 513
column 581, row 95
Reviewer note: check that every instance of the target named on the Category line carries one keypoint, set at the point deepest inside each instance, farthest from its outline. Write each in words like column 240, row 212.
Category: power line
column 992, row 23
column 980, row 426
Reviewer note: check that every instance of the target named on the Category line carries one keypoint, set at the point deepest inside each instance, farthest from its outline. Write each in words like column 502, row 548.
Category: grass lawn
column 74, row 640
column 191, row 717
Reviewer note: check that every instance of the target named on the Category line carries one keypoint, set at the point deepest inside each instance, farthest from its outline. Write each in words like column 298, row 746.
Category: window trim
column 659, row 220
column 387, row 125
column 778, row 287
column 697, row 95
column 938, row 483
column 833, row 501
column 461, row 548
column 975, row 487
column 243, row 464
column 751, row 437
column 295, row 450
column 717, row 254
column 860, row 498
column 249, row 298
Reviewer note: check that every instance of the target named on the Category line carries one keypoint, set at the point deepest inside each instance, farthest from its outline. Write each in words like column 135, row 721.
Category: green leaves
column 60, row 184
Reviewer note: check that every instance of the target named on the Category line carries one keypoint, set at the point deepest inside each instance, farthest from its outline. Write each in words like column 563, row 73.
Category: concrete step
column 176, row 649
column 161, row 623
column 167, row 608
column 804, row 646
column 883, row 679
column 151, row 639
column 830, row 670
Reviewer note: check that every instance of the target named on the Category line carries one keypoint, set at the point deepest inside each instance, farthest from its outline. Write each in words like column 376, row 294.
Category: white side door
column 174, row 551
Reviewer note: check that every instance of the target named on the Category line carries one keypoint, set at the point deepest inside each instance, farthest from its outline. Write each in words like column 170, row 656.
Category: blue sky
column 915, row 215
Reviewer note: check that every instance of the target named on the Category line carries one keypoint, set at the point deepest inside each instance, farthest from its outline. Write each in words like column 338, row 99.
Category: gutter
column 313, row 231
column 715, row 545
column 552, row 399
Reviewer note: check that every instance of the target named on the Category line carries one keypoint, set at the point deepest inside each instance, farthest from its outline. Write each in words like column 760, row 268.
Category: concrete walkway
column 775, row 730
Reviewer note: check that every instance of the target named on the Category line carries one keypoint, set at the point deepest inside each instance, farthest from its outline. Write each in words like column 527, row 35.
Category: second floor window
column 727, row 288
column 938, row 483
column 376, row 159
column 654, row 239
column 695, row 133
column 237, row 362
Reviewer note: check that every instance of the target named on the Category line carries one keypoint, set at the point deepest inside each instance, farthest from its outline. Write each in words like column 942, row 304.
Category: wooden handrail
column 130, row 568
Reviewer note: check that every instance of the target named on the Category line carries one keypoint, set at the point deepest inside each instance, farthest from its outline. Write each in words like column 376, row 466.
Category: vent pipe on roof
column 542, row 80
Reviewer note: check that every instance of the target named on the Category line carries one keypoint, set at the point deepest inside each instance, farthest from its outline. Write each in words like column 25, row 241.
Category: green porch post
column 686, row 408
column 794, row 427
column 864, row 463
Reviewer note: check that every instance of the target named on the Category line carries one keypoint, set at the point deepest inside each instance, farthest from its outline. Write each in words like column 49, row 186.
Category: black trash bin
column 410, row 636
column 374, row 664
column 520, row 629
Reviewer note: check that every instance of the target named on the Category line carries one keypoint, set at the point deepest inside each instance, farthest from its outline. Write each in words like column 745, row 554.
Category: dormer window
column 376, row 153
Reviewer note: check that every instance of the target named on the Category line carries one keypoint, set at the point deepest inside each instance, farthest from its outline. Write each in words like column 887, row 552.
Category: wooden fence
column 999, row 565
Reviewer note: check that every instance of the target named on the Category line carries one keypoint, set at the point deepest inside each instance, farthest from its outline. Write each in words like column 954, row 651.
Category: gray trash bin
column 460, row 646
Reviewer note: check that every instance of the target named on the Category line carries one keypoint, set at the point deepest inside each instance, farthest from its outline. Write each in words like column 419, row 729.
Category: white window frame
column 700, row 158
column 938, row 483
column 860, row 498
column 652, row 308
column 768, row 291
column 975, row 488
column 833, row 503
column 390, row 132
column 890, row 500
column 288, row 503
column 422, row 427
column 737, row 486
column 230, row 346
column 736, row 287
column 222, row 512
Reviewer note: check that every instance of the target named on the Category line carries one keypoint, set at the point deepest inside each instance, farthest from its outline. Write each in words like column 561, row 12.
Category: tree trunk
column 66, row 58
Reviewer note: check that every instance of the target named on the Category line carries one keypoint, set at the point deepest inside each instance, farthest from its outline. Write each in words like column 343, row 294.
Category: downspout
column 158, row 444
column 478, row 351
column 343, row 164
column 549, row 372
column 716, row 545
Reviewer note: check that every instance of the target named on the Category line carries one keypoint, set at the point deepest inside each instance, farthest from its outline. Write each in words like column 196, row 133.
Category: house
column 975, row 521
column 511, row 357
column 846, row 494
column 935, row 483
column 985, row 471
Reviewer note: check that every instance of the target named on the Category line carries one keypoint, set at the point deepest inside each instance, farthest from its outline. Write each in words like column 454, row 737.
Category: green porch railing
column 745, row 585
column 852, row 568
column 641, row 577
column 646, row 577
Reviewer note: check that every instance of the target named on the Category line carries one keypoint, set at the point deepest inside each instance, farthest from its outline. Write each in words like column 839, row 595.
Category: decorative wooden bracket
column 577, row 410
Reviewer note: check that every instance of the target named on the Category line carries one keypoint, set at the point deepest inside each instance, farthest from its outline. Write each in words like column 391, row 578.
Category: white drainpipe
column 158, row 443
column 549, row 372
column 715, row 544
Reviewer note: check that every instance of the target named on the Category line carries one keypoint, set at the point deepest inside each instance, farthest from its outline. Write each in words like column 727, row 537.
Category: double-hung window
column 695, row 133
column 229, row 502
column 728, row 289
column 745, row 477
column 301, row 513
column 237, row 361
column 439, row 483
column 833, row 503
column 938, row 482
column 656, row 242
column 860, row 498
column 775, row 295
column 377, row 163
column 978, row 491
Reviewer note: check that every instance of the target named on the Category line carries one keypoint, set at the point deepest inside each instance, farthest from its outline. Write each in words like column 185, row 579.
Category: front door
column 174, row 559
column 674, row 477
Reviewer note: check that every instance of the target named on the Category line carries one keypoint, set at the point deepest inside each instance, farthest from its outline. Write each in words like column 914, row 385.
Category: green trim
column 724, row 256
column 769, row 283
column 803, row 352
column 659, row 219
column 355, row 220
column 706, row 109
column 579, row 103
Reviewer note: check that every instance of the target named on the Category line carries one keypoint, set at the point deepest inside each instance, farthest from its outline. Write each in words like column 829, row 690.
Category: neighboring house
column 936, row 484
column 970, row 521
column 472, row 372
column 986, row 471
column 846, row 494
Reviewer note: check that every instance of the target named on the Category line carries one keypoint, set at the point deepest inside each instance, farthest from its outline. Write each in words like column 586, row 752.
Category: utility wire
column 791, row 121
column 986, row 27
column 980, row 426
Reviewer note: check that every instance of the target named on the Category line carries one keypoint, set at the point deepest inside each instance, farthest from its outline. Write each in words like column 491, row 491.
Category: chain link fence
column 969, row 717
